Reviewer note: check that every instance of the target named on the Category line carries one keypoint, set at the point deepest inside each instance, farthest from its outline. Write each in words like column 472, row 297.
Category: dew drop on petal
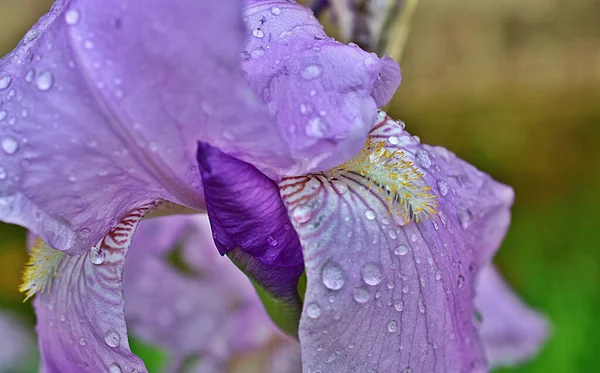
column 333, row 276
column 96, row 256
column 361, row 295
column 72, row 17
column 5, row 82
column 465, row 217
column 115, row 368
column 275, row 11
column 423, row 158
column 31, row 35
column 370, row 215
column 45, row 81
column 258, row 33
column 438, row 275
column 371, row 274
column 112, row 338
column 392, row 326
column 82, row 341
column 301, row 214
column 313, row 311
column 393, row 140
column 9, row 145
column 316, row 128
column 398, row 305
column 401, row 250
column 311, row 72
column 442, row 187
column 3, row 115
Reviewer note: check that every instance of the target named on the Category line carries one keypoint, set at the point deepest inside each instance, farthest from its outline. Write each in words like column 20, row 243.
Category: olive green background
column 513, row 87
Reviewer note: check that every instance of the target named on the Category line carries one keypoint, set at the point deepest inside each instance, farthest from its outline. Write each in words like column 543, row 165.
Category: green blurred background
column 513, row 87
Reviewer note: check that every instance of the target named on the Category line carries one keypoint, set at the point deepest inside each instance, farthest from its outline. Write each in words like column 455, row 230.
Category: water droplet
column 96, row 255
column 316, row 128
column 370, row 61
column 301, row 214
column 371, row 274
column 24, row 113
column 361, row 295
column 72, row 17
column 392, row 234
column 5, row 82
column 442, row 187
column 466, row 218
column 3, row 115
column 272, row 241
column 405, row 289
column 333, row 276
column 258, row 52
column 112, row 338
column 393, row 140
column 311, row 72
column 401, row 250
column 421, row 305
column 9, row 145
column 370, row 214
column 398, row 305
column 413, row 237
column 275, row 11
column 438, row 275
column 392, row 326
column 258, row 33
column 313, row 311
column 461, row 281
column 115, row 368
column 45, row 81
column 391, row 285
column 31, row 35
column 82, row 341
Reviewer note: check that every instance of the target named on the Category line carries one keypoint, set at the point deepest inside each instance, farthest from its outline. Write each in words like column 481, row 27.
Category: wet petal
column 250, row 224
column 511, row 332
column 212, row 310
column 389, row 259
column 14, row 343
column 81, row 323
column 101, row 106
column 323, row 94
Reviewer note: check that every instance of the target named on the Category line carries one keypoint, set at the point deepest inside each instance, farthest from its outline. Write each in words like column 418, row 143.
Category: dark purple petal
column 511, row 332
column 81, row 323
column 14, row 343
column 390, row 260
column 101, row 106
column 323, row 94
column 213, row 311
column 250, row 222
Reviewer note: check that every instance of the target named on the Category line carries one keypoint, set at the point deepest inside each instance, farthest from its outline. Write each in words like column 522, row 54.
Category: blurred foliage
column 512, row 87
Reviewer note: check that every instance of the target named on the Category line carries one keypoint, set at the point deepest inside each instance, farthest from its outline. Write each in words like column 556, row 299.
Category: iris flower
column 114, row 111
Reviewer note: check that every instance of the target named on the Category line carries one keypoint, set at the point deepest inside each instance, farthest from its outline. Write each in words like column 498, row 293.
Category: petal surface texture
column 511, row 332
column 80, row 317
column 208, row 309
column 322, row 93
column 392, row 241
column 101, row 105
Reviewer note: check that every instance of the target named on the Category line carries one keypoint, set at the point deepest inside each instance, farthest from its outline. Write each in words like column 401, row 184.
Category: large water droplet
column 311, row 72
column 258, row 33
column 112, row 338
column 333, row 276
column 401, row 250
column 423, row 158
column 115, row 368
column 72, row 17
column 301, row 214
column 361, row 295
column 398, row 305
column 313, row 311
column 316, row 128
column 96, row 255
column 393, row 140
column 370, row 214
column 31, row 35
column 392, row 326
column 442, row 187
column 9, row 145
column 275, row 11
column 45, row 81
column 5, row 82
column 371, row 274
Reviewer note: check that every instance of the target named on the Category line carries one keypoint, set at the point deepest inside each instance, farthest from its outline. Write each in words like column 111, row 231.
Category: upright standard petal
column 101, row 106
column 391, row 244
column 322, row 94
column 81, row 322
column 209, row 310
column 251, row 225
column 511, row 332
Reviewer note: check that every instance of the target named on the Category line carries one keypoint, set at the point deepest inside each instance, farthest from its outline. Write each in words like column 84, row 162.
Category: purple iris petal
column 511, row 332
column 385, row 293
column 250, row 222
column 14, row 343
column 322, row 94
column 81, row 321
column 101, row 106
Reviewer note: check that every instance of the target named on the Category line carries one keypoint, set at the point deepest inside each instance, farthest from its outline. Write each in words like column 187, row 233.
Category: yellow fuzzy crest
column 40, row 269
